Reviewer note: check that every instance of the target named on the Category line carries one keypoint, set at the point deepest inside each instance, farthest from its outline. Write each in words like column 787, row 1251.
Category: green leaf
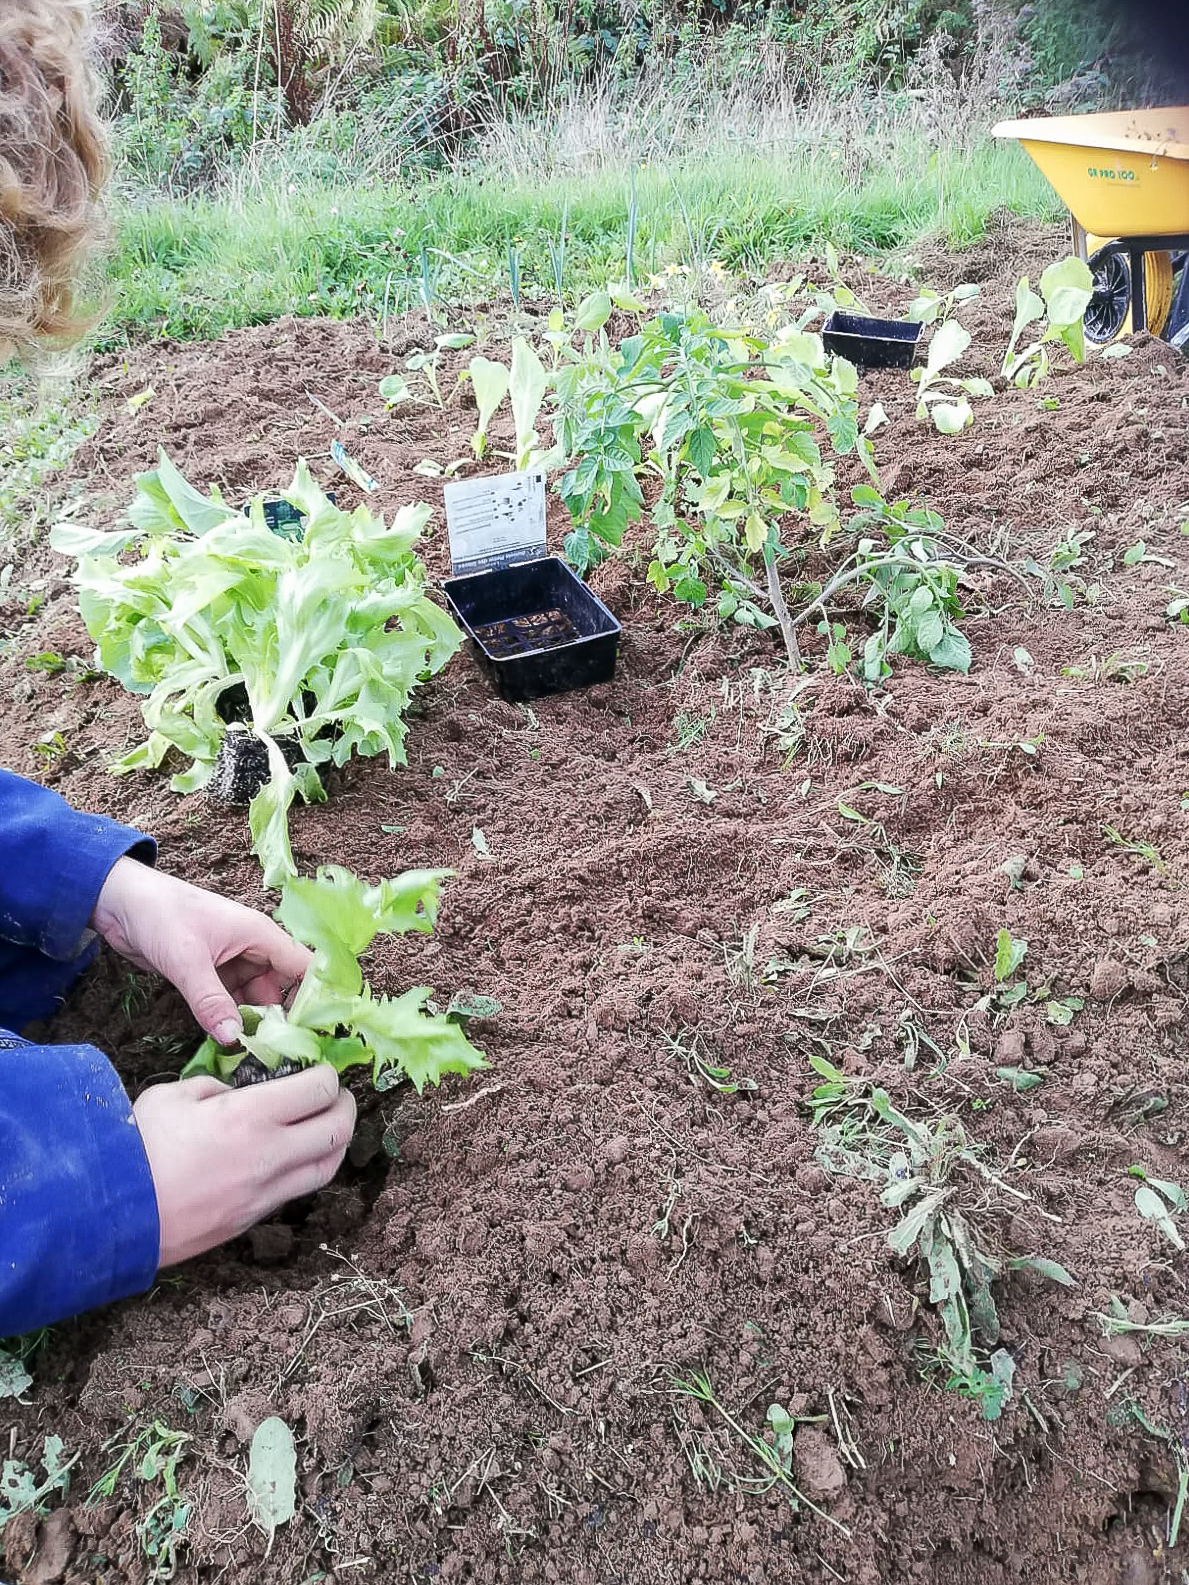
column 951, row 418
column 268, row 819
column 1150, row 1205
column 700, row 449
column 1029, row 307
column 1067, row 288
column 182, row 505
column 272, row 1475
column 490, row 381
column 1009, row 954
column 14, row 1378
column 527, row 384
column 949, row 343
column 952, row 652
column 593, row 312
column 1020, row 1079
column 394, row 389
column 1044, row 1267
column 1172, row 1192
column 465, row 1005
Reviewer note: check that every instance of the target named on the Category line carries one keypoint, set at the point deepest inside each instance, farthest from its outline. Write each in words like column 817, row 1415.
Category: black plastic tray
column 283, row 518
column 536, row 627
column 871, row 343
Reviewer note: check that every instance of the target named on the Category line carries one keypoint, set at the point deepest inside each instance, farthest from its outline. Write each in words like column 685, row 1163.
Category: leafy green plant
column 1158, row 1200
column 928, row 1172
column 23, row 1490
column 1009, row 954
column 931, row 306
column 490, row 381
column 1065, row 292
column 774, row 1459
column 945, row 398
column 272, row 1475
column 731, row 424
column 151, row 1456
column 317, row 642
column 910, row 574
column 335, row 1016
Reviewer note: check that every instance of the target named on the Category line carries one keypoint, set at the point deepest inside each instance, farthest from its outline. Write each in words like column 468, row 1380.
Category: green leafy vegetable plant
column 1158, row 1200
column 1065, row 292
column 335, row 1016
column 931, row 306
column 322, row 639
column 23, row 1490
column 946, row 398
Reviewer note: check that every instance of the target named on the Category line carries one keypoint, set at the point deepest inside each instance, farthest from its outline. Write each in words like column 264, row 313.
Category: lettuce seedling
column 335, row 1016
column 323, row 637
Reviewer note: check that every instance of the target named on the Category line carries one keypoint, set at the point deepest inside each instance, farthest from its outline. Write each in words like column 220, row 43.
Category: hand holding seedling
column 223, row 1159
column 217, row 952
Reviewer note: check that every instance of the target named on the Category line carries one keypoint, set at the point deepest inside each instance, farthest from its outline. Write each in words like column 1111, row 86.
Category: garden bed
column 704, row 865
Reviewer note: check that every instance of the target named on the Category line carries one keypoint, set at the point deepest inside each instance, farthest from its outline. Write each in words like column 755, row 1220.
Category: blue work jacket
column 78, row 1213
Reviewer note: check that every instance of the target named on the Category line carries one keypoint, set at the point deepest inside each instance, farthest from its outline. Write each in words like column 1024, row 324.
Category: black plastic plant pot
column 871, row 343
column 536, row 627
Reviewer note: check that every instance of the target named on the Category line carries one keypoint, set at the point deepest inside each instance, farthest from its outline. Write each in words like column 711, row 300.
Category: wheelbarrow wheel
column 1108, row 313
column 1107, row 310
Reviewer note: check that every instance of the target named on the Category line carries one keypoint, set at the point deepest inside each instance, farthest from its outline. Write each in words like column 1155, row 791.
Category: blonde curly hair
column 53, row 161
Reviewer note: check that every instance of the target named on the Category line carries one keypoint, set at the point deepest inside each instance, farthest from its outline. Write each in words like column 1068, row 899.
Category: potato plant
column 732, row 426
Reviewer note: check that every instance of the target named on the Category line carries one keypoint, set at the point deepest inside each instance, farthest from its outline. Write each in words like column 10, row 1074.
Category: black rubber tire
column 1108, row 308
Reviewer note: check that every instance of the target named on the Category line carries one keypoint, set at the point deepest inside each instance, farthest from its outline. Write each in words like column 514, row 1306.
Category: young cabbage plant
column 1065, row 292
column 313, row 645
column 931, row 306
column 946, row 398
column 335, row 1016
column 490, row 383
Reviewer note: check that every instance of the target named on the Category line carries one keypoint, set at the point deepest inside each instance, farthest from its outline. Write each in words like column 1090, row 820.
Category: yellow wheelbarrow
column 1124, row 177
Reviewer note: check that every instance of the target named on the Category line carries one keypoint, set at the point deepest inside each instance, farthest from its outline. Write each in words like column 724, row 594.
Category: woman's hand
column 218, row 953
column 222, row 1159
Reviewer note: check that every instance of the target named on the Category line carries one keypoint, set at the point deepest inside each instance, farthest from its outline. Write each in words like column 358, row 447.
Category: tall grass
column 739, row 167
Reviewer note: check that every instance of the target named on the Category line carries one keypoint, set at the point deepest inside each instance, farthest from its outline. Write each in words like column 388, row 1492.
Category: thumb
column 209, row 1000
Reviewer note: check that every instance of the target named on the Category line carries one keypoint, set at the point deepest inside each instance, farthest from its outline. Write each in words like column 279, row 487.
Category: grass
column 560, row 201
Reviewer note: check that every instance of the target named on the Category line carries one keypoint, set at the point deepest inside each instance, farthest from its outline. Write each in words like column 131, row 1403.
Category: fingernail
column 228, row 1032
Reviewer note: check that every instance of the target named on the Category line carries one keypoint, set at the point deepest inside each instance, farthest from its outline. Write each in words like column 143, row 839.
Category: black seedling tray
column 536, row 627
column 871, row 343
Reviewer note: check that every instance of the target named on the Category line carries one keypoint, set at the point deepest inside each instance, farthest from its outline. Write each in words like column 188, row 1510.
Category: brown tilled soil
column 475, row 1332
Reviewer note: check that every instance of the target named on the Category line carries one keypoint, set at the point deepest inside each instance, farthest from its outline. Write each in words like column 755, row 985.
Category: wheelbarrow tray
column 1122, row 173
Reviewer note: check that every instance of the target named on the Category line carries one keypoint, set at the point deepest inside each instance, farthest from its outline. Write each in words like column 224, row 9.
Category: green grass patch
column 197, row 266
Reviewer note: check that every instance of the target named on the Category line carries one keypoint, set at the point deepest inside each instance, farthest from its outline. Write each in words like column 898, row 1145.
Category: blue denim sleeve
column 53, row 863
column 78, row 1211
